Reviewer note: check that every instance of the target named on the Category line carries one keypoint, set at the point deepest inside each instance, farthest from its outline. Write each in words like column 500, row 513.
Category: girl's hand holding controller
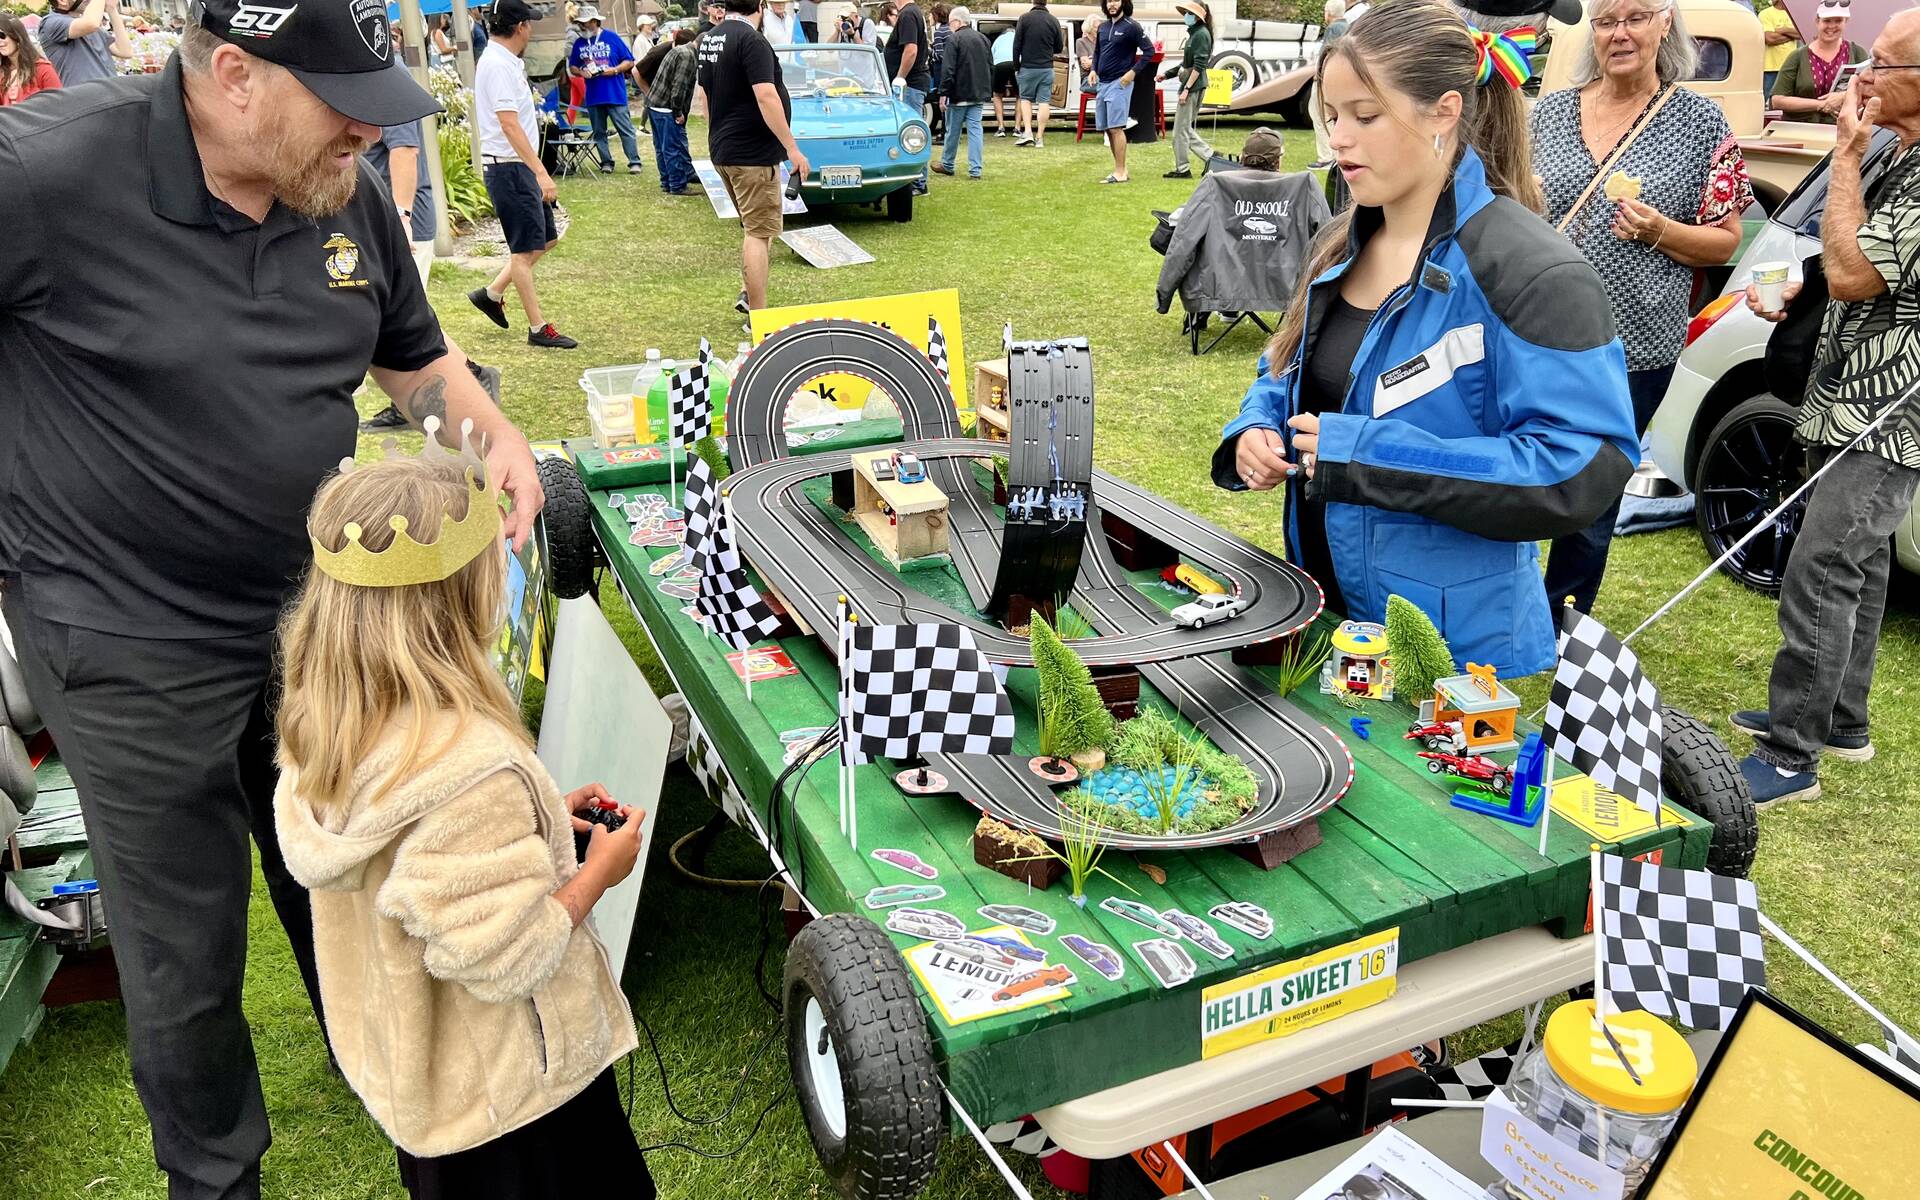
column 611, row 853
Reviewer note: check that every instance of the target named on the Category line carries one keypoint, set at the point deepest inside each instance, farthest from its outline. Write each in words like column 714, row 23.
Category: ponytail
column 1421, row 49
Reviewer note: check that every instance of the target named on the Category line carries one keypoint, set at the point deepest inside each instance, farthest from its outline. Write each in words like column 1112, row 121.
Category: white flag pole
column 1599, row 945
column 1188, row 1172
column 1546, row 798
column 840, row 711
column 1827, row 974
column 853, row 783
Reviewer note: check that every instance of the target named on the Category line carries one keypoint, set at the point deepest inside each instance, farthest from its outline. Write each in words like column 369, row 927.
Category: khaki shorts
column 756, row 193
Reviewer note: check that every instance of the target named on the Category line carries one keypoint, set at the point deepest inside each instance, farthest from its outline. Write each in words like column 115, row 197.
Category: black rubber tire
column 572, row 553
column 1698, row 772
column 900, row 204
column 1752, row 447
column 1246, row 72
column 895, row 1110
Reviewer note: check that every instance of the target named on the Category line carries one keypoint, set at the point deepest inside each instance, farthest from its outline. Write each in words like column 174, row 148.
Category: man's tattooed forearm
column 428, row 400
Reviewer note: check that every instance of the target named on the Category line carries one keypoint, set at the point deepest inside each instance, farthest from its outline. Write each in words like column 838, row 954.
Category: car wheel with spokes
column 1748, row 464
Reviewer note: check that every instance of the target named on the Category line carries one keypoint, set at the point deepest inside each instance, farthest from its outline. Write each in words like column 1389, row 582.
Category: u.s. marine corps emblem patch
column 343, row 263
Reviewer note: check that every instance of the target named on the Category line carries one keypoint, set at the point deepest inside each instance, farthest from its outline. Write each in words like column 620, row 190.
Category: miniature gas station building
column 905, row 520
column 1483, row 705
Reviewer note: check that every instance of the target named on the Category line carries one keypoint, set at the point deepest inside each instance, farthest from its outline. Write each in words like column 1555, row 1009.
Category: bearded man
column 200, row 270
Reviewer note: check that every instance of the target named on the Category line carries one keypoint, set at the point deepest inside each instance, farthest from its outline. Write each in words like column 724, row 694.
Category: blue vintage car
column 864, row 145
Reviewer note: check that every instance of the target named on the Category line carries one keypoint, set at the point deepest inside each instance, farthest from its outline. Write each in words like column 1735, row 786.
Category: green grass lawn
column 1039, row 244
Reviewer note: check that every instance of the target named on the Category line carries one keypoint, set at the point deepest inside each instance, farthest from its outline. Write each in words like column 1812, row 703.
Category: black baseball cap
column 1567, row 12
column 342, row 50
column 513, row 12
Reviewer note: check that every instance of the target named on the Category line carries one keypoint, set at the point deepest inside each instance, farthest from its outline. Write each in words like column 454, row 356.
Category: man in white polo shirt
column 517, row 181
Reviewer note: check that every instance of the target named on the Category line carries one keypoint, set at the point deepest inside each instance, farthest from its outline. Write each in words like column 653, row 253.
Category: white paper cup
column 1770, row 279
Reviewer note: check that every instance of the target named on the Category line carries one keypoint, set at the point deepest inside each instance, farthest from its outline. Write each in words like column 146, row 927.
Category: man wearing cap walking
column 168, row 405
column 517, row 181
column 601, row 57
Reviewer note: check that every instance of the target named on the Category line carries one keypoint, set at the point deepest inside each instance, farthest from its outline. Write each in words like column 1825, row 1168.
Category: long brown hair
column 26, row 55
column 1423, row 50
column 357, row 659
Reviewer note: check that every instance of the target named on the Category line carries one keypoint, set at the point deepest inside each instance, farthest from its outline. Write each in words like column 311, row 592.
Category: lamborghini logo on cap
column 260, row 20
column 370, row 18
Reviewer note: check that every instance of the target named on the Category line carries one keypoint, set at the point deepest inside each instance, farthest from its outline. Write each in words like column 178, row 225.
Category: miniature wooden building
column 1482, row 704
column 905, row 520
column 991, row 419
column 1359, row 662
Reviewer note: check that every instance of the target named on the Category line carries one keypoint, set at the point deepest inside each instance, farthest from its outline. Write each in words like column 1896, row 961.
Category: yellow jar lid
column 1360, row 637
column 1579, row 1054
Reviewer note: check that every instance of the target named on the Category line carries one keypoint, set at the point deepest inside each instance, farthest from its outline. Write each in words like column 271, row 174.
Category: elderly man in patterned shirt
column 1868, row 358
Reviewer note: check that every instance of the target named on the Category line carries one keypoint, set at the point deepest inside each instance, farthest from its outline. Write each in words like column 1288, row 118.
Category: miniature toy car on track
column 1209, row 609
column 1056, row 975
column 1473, row 768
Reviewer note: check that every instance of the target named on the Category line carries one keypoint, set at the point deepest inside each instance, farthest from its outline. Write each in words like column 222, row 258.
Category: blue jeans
column 916, row 100
column 1766, row 85
column 670, row 150
column 967, row 116
column 1577, row 561
column 622, row 121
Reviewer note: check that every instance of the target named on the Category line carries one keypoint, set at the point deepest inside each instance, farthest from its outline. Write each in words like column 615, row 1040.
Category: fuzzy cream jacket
column 461, row 1001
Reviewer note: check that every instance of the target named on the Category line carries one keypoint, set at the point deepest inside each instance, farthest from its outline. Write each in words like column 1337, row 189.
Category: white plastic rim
column 823, row 1068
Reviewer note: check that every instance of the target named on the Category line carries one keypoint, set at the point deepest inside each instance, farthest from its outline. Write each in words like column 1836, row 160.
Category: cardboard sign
column 1288, row 997
column 716, row 190
column 771, row 663
column 825, row 247
column 1606, row 816
column 1786, row 1111
column 905, row 315
column 1540, row 1165
column 1219, row 87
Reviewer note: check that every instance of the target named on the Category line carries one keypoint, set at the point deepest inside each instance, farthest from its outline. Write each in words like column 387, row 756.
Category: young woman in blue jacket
column 1446, row 389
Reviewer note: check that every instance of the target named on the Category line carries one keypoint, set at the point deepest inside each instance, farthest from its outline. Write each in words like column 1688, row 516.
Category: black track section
column 1300, row 767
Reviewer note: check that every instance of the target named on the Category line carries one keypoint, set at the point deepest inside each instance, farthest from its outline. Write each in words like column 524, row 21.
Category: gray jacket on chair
column 1241, row 241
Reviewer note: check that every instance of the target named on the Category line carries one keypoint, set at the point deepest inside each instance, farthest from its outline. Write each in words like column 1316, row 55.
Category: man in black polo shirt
column 169, row 402
column 747, row 134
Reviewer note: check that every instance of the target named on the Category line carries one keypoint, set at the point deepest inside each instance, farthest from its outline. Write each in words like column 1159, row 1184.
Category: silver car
column 1721, row 433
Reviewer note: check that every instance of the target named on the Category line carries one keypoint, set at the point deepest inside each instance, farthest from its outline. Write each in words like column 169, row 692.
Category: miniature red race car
column 1444, row 737
column 1473, row 769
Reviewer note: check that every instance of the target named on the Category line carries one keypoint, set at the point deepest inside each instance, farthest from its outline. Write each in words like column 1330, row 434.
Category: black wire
column 786, row 1089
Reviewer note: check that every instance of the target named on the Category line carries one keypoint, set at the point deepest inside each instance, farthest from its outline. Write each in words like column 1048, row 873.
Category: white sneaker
column 1023, row 140
column 1132, row 121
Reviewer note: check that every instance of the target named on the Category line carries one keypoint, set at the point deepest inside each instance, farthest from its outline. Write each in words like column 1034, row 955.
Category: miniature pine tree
column 709, row 449
column 1420, row 654
column 1071, row 714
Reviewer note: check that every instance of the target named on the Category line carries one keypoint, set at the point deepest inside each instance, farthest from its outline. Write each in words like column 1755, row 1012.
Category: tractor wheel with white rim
column 862, row 1061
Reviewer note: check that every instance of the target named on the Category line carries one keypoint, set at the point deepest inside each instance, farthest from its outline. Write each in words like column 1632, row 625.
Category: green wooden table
column 53, row 849
column 1395, row 852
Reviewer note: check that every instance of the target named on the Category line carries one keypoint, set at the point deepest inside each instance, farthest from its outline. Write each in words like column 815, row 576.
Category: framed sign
column 1786, row 1111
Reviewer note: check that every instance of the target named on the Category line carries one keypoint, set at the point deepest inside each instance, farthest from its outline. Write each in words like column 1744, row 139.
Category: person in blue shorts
column 1120, row 50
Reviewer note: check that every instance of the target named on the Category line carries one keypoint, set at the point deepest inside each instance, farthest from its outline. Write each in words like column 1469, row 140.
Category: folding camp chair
column 571, row 151
column 1195, row 324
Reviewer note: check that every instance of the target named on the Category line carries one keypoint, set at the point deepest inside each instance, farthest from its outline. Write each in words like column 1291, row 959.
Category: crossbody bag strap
column 1619, row 150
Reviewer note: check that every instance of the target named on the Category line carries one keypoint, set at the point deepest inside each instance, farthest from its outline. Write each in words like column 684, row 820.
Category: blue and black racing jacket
column 1487, row 409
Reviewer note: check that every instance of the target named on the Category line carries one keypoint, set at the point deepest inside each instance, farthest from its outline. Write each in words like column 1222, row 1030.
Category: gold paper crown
column 406, row 561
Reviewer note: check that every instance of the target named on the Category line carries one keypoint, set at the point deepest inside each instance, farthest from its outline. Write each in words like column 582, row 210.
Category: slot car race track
column 1300, row 767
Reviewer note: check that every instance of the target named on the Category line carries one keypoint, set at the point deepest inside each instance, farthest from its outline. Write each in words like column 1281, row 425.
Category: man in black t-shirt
column 909, row 56
column 169, row 403
column 747, row 134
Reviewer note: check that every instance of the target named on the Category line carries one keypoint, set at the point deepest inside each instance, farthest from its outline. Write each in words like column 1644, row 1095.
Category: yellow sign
column 1288, row 997
column 1787, row 1113
column 1606, row 815
column 1219, row 86
column 905, row 315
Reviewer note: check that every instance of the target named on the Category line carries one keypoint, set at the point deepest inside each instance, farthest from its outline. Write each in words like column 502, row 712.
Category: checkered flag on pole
column 707, row 533
column 937, row 350
column 732, row 606
column 689, row 411
column 1603, row 716
column 1681, row 944
column 923, row 689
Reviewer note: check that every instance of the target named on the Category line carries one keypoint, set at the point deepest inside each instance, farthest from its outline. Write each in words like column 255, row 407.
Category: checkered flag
column 923, row 689
column 1902, row 1049
column 706, row 533
column 732, row 606
column 1477, row 1078
column 937, row 350
column 689, row 411
column 1681, row 944
column 1603, row 715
